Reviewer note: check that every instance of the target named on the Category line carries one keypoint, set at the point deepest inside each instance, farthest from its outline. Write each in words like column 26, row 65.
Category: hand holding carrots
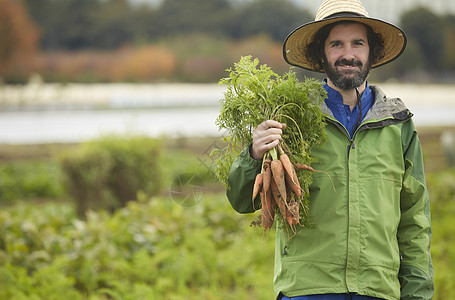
column 278, row 183
column 266, row 136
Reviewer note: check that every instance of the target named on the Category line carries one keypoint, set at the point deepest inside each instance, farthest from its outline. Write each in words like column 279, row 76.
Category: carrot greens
column 255, row 93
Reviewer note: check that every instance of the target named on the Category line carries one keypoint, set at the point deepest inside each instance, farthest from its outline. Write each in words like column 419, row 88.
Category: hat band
column 344, row 15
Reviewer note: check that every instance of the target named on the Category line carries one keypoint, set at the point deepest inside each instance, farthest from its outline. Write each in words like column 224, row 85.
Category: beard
column 347, row 81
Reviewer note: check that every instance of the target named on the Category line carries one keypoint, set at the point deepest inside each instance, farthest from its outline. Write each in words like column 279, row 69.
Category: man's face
column 346, row 52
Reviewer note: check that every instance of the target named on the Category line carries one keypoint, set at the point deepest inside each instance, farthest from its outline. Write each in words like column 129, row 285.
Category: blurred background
column 107, row 122
column 195, row 40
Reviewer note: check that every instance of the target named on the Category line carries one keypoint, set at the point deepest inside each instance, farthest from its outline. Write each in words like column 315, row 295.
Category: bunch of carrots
column 278, row 186
column 256, row 93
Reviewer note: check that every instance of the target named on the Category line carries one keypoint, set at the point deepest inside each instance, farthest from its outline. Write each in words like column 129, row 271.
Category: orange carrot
column 268, row 210
column 293, row 182
column 267, row 174
column 308, row 168
column 280, row 201
column 257, row 185
column 278, row 176
column 287, row 165
column 273, row 202
column 290, row 175
column 304, row 167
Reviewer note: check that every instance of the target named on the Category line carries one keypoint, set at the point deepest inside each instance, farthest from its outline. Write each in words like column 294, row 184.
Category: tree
column 18, row 37
column 426, row 29
column 176, row 17
column 273, row 17
column 449, row 49
column 82, row 24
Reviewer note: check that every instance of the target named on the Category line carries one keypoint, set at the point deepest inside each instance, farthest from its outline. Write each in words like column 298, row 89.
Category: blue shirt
column 343, row 113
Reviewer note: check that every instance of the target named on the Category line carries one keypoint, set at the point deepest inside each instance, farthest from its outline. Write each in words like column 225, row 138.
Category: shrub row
column 105, row 173
column 192, row 58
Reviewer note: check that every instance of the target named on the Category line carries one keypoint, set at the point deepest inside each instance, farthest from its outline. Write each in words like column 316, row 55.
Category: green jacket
column 372, row 234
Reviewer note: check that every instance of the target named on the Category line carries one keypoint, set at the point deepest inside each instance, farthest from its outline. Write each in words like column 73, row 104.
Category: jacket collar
column 387, row 108
column 383, row 108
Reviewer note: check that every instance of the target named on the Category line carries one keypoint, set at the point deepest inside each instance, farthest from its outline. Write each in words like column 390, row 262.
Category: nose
column 348, row 52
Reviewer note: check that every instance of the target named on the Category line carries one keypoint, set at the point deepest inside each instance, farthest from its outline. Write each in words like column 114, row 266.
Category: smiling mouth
column 348, row 65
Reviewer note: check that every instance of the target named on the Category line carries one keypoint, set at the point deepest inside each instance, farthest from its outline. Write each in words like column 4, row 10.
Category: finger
column 263, row 142
column 259, row 149
column 270, row 124
column 270, row 137
column 268, row 142
column 266, row 137
column 272, row 144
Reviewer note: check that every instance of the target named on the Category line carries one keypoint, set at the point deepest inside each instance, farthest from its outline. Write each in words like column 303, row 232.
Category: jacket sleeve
column 241, row 179
column 414, row 231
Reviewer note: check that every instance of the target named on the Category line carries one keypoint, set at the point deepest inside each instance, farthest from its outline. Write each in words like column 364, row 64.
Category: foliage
column 427, row 35
column 154, row 249
column 18, row 38
column 275, row 18
column 29, row 179
column 108, row 172
column 190, row 16
column 255, row 93
column 33, row 172
column 449, row 39
column 82, row 24
column 147, row 250
column 192, row 58
column 441, row 188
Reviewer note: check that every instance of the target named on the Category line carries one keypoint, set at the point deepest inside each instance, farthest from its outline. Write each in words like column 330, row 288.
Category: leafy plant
column 155, row 249
column 107, row 172
column 150, row 249
column 255, row 93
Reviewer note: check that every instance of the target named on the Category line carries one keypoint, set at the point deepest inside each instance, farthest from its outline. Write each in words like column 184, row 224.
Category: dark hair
column 314, row 51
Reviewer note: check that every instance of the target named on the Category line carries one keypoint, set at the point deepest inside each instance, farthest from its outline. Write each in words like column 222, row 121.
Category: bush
column 151, row 249
column 106, row 173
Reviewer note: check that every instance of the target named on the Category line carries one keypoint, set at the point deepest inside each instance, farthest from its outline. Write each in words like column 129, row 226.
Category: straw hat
column 332, row 11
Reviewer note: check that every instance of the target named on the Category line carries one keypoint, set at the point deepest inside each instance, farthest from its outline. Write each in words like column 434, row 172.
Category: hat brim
column 296, row 42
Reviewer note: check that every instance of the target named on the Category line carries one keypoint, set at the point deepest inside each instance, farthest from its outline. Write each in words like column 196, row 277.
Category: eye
column 358, row 43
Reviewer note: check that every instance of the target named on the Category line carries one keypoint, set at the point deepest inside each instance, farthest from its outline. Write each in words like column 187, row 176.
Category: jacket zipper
column 361, row 127
column 345, row 131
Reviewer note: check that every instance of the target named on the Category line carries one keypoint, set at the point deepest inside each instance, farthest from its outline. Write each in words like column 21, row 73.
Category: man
column 372, row 235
